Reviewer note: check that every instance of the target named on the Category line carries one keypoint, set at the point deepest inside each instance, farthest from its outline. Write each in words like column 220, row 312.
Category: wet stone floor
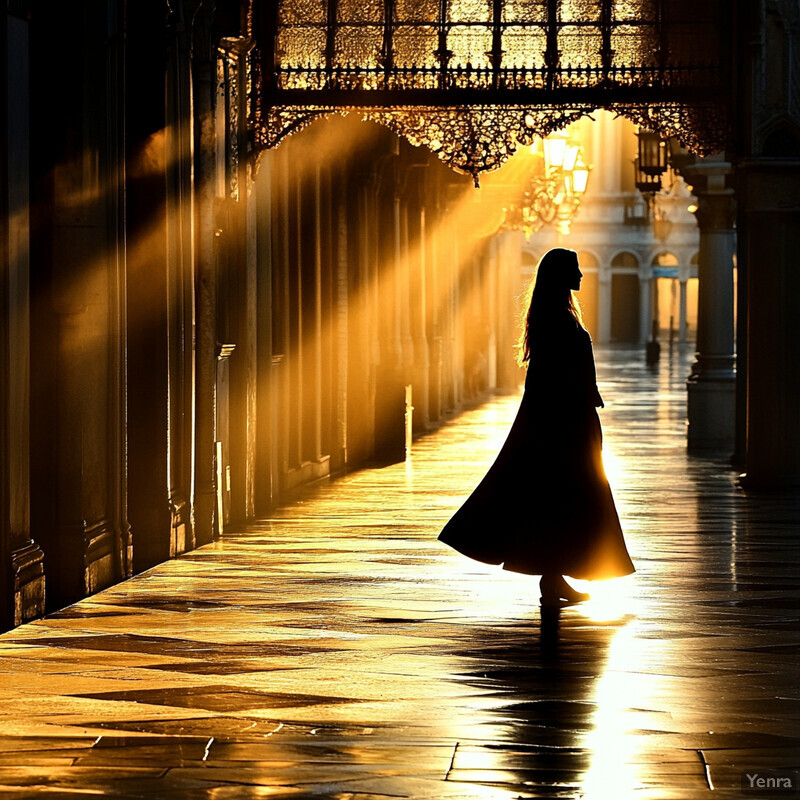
column 338, row 650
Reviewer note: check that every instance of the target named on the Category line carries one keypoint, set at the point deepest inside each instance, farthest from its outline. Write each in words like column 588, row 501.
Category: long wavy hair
column 548, row 292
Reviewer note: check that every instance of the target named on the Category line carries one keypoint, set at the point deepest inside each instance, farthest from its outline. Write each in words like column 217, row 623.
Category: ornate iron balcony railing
column 528, row 66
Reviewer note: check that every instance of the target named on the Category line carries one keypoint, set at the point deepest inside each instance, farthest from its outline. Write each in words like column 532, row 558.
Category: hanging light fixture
column 651, row 163
column 656, row 157
column 652, row 153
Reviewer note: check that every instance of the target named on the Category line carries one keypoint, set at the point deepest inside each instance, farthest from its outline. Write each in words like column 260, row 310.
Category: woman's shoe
column 573, row 595
column 555, row 591
column 552, row 601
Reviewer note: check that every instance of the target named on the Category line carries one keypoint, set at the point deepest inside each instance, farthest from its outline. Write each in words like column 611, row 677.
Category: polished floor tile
column 338, row 650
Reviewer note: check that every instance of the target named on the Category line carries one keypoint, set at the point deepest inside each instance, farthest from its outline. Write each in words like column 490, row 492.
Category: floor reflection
column 557, row 705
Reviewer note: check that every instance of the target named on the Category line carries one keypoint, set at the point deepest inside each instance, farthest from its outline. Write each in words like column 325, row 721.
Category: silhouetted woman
column 545, row 506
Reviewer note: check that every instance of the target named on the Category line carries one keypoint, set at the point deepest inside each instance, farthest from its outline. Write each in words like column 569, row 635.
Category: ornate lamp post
column 649, row 166
column 558, row 180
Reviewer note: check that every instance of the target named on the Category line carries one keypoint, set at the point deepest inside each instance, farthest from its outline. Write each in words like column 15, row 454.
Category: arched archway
column 625, row 298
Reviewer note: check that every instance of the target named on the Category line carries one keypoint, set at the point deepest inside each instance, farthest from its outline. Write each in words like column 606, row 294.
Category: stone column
column 771, row 251
column 22, row 579
column 392, row 288
column 78, row 370
column 603, row 304
column 509, row 287
column 645, row 305
column 265, row 438
column 178, row 224
column 433, row 282
column 205, row 259
column 319, row 465
column 682, row 285
column 419, row 312
column 711, row 383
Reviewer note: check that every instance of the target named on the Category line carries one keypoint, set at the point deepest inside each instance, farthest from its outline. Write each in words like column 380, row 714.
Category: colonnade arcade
column 209, row 301
column 472, row 81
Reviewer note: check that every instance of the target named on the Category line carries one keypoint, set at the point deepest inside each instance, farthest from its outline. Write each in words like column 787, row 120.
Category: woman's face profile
column 577, row 275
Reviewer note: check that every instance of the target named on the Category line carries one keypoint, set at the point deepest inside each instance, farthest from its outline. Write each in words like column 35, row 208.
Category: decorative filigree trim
column 701, row 129
column 476, row 139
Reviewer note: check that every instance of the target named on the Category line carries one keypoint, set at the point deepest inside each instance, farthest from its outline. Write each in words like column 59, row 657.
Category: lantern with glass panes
column 650, row 164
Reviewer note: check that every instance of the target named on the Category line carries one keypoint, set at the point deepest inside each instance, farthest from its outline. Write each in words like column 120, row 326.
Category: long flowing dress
column 545, row 505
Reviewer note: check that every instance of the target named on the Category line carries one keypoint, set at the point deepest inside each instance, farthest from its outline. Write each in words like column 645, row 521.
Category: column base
column 711, row 407
column 27, row 568
column 206, row 523
column 103, row 557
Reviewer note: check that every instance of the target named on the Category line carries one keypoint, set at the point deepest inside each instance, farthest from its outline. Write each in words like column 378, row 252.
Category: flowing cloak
column 545, row 505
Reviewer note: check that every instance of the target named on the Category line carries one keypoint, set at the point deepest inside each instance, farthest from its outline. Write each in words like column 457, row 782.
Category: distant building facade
column 639, row 263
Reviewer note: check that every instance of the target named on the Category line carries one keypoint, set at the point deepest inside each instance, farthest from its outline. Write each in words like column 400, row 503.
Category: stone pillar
column 645, row 306
column 768, row 195
column 78, row 371
column 390, row 399
column 770, row 191
column 603, row 304
column 682, row 285
column 21, row 570
column 264, row 440
column 509, row 287
column 355, row 203
column 160, row 293
column 180, row 294
column 312, row 312
column 204, row 167
column 237, row 280
column 340, row 314
column 433, row 282
column 419, row 311
column 711, row 384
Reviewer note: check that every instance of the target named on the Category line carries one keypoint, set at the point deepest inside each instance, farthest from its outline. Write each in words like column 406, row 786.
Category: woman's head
column 558, row 277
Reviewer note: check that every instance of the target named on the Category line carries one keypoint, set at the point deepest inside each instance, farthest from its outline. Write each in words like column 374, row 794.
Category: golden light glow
column 580, row 176
column 555, row 148
column 303, row 31
column 541, row 184
column 500, row 50
column 613, row 773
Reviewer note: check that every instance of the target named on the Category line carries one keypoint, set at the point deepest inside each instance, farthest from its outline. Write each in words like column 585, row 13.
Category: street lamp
column 580, row 177
column 649, row 166
column 554, row 148
column 553, row 192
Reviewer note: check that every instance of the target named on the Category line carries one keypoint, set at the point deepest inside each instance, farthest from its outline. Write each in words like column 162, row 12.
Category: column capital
column 709, row 177
column 716, row 211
